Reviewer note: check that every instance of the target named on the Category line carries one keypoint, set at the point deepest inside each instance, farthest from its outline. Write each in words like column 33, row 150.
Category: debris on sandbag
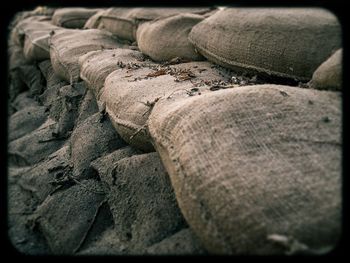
column 48, row 176
column 25, row 121
column 35, row 146
column 77, row 206
column 95, row 66
column 142, row 201
column 130, row 96
column 90, row 140
column 183, row 242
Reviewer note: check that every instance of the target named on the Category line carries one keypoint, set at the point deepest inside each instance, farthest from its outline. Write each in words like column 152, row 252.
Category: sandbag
column 88, row 107
column 31, row 76
column 94, row 20
column 65, row 109
column 27, row 23
column 276, row 42
column 69, row 44
column 107, row 245
column 20, row 207
column 167, row 38
column 123, row 22
column 105, row 164
column 23, row 100
column 95, row 66
column 130, row 96
column 36, row 43
column 49, row 75
column 15, row 60
column 255, row 169
column 142, row 201
column 79, row 205
column 329, row 75
column 33, row 34
column 72, row 17
column 183, row 242
column 92, row 139
column 45, row 177
column 35, row 146
column 15, row 57
column 51, row 97
column 25, row 121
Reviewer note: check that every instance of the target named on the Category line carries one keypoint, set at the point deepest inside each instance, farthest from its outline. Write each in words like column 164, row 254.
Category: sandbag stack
column 173, row 131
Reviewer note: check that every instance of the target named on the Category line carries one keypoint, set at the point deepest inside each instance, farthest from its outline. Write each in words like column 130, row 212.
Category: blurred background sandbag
column 274, row 42
column 73, row 17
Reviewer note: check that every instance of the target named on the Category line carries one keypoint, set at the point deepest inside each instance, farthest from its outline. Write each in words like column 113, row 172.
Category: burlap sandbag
column 329, row 75
column 87, row 108
column 94, row 20
column 15, row 61
column 27, row 23
column 77, row 206
column 108, row 244
column 142, row 201
column 93, row 138
column 31, row 76
column 69, row 44
column 35, row 146
column 25, row 121
column 44, row 178
column 65, row 108
column 257, row 169
column 72, row 17
column 51, row 97
column 49, row 74
column 183, row 242
column 23, row 100
column 274, row 42
column 105, row 164
column 167, row 38
column 36, row 42
column 130, row 96
column 20, row 206
column 95, row 66
column 33, row 34
column 123, row 22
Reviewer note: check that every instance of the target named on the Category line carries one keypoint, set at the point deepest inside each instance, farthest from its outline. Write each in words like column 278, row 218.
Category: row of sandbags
column 248, row 164
column 67, row 165
column 248, row 37
column 287, row 43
